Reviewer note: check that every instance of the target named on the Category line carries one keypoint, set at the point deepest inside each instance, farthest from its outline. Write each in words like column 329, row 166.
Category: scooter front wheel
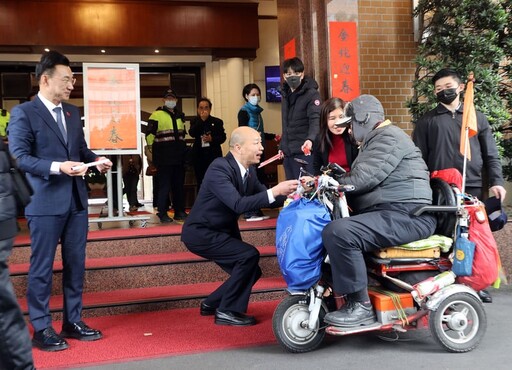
column 459, row 323
column 290, row 325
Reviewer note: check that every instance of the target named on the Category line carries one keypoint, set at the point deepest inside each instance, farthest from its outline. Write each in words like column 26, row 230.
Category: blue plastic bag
column 300, row 251
column 463, row 254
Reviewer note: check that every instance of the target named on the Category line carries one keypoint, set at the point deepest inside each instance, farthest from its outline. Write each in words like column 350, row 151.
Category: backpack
column 22, row 190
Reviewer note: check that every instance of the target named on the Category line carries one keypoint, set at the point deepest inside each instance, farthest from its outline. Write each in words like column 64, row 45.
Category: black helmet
column 365, row 112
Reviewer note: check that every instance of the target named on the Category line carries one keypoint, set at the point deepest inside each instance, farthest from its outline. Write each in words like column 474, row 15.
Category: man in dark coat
column 230, row 188
column 15, row 346
column 208, row 132
column 300, row 118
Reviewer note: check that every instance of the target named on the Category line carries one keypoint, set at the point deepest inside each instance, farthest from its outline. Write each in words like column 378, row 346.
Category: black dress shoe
column 49, row 340
column 485, row 296
column 165, row 219
column 79, row 330
column 223, row 317
column 206, row 310
column 350, row 315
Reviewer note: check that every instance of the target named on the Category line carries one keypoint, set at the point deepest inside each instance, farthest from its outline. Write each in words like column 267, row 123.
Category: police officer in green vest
column 4, row 121
column 167, row 131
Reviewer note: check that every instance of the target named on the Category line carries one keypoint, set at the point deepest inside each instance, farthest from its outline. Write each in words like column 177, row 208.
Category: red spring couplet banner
column 344, row 59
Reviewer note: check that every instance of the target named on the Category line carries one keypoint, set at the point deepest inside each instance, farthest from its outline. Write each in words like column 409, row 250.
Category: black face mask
column 447, row 96
column 293, row 82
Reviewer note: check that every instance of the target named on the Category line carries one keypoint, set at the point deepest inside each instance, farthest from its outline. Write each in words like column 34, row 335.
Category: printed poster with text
column 344, row 60
column 111, row 95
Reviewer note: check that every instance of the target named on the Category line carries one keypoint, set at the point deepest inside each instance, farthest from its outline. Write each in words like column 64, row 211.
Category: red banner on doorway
column 344, row 60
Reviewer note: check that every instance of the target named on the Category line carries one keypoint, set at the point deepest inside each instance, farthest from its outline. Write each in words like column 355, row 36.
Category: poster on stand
column 112, row 108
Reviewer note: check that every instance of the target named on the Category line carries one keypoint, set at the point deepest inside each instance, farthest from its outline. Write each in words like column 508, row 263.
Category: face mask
column 447, row 96
column 254, row 100
column 293, row 82
column 171, row 104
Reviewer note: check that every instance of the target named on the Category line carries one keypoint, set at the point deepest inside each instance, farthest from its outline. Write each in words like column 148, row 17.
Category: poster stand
column 112, row 125
column 120, row 216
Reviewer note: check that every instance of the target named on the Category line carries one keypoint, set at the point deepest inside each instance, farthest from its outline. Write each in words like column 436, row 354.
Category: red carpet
column 159, row 334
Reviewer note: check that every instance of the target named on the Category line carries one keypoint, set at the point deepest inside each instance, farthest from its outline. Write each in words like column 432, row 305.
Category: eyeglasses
column 66, row 80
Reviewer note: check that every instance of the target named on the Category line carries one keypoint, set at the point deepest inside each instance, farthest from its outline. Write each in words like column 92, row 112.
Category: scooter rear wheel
column 290, row 325
column 459, row 323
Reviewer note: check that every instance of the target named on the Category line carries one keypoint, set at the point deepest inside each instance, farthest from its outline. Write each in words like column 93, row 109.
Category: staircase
column 144, row 269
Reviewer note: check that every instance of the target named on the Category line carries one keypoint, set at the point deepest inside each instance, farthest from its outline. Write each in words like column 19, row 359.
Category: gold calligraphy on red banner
column 344, row 59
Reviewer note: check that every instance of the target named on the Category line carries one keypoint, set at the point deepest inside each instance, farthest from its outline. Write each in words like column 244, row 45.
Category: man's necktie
column 245, row 179
column 57, row 111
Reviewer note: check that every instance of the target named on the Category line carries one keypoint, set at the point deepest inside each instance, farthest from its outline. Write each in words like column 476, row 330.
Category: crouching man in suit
column 229, row 189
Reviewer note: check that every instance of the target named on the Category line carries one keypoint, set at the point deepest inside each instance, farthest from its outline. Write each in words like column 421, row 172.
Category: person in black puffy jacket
column 15, row 345
column 300, row 118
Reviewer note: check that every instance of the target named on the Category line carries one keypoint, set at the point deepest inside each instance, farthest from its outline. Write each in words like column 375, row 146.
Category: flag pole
column 465, row 163
column 468, row 122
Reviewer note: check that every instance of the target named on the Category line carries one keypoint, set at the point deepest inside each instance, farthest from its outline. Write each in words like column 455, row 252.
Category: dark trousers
column 15, row 345
column 240, row 260
column 292, row 167
column 201, row 164
column 381, row 226
column 45, row 232
column 130, row 182
column 171, row 178
column 155, row 192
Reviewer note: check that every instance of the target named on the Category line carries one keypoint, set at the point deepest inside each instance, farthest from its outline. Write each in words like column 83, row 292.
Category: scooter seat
column 424, row 248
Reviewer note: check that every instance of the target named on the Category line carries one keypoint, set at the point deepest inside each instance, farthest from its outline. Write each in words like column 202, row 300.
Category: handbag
column 151, row 170
column 300, row 251
column 22, row 189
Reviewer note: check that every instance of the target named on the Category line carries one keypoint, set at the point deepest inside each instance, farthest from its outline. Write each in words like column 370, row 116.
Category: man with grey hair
column 391, row 180
column 229, row 189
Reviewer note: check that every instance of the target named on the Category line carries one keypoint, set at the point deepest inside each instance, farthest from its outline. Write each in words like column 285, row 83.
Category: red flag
column 469, row 126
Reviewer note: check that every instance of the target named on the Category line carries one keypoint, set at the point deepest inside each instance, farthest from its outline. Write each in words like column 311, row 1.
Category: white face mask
column 254, row 100
column 171, row 104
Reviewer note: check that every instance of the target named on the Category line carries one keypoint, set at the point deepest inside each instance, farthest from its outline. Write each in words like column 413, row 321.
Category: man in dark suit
column 47, row 140
column 211, row 230
column 208, row 133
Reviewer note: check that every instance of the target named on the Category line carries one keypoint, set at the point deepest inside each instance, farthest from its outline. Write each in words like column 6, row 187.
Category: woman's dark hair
column 247, row 90
column 327, row 107
column 48, row 62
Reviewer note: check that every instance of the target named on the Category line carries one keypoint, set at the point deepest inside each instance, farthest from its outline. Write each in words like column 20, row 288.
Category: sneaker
column 165, row 219
column 352, row 314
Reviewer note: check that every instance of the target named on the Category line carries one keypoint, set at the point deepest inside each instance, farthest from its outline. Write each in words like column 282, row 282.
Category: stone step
column 128, row 272
column 140, row 241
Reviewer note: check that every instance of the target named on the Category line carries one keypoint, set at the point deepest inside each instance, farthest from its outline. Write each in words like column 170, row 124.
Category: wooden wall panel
column 154, row 24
